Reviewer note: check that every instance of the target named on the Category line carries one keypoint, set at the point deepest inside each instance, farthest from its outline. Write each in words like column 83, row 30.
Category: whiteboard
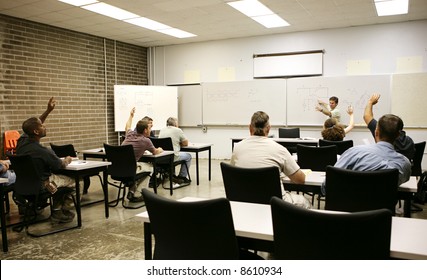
column 409, row 98
column 233, row 103
column 307, row 64
column 157, row 102
column 190, row 105
column 303, row 93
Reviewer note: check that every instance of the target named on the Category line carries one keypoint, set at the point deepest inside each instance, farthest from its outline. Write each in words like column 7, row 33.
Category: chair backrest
column 418, row 158
column 341, row 236
column 10, row 139
column 289, row 132
column 256, row 185
column 165, row 143
column 316, row 158
column 123, row 164
column 64, row 150
column 200, row 230
column 352, row 191
column 28, row 180
column 342, row 146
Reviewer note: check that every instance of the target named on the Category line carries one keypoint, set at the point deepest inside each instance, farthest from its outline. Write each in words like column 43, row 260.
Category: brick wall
column 38, row 61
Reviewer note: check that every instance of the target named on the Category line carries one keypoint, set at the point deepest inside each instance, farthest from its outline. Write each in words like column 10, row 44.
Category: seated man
column 260, row 151
column 178, row 140
column 47, row 162
column 138, row 138
column 6, row 173
column 403, row 143
column 381, row 155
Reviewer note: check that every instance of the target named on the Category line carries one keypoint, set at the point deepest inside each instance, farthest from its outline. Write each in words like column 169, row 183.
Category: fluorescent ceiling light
column 391, row 7
column 78, row 2
column 147, row 23
column 109, row 11
column 258, row 12
column 271, row 21
column 176, row 33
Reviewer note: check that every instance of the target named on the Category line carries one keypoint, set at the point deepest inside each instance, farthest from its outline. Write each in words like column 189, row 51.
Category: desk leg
column 407, row 208
column 171, row 158
column 3, row 223
column 147, row 241
column 197, row 168
column 105, row 190
column 210, row 163
column 78, row 206
column 155, row 176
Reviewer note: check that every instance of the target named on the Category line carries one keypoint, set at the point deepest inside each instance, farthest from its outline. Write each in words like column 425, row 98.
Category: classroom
column 50, row 48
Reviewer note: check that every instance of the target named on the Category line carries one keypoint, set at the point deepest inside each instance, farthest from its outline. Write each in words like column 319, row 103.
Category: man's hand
column 132, row 112
column 374, row 98
column 350, row 110
column 51, row 104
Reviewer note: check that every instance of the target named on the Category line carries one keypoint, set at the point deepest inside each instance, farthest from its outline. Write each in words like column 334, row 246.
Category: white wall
column 379, row 49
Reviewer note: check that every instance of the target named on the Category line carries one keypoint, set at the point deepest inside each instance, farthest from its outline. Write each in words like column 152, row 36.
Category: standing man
column 138, row 138
column 403, row 144
column 178, row 140
column 46, row 162
column 332, row 111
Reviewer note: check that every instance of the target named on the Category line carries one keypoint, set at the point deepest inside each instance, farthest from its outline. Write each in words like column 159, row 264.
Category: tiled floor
column 120, row 237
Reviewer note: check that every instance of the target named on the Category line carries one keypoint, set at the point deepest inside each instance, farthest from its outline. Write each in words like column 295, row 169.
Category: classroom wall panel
column 190, row 105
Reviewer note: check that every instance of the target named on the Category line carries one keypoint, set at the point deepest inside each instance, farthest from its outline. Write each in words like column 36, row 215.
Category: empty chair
column 199, row 230
column 10, row 140
column 256, row 185
column 30, row 194
column 339, row 236
column 163, row 168
column 316, row 158
column 289, row 132
column 342, row 146
column 123, row 169
column 352, row 191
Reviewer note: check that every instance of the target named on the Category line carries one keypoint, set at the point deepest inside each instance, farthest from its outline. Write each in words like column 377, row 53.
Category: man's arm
column 368, row 115
column 323, row 107
column 158, row 150
column 129, row 122
column 50, row 106
column 298, row 177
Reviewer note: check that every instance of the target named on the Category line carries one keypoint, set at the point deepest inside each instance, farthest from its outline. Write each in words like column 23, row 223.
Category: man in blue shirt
column 381, row 155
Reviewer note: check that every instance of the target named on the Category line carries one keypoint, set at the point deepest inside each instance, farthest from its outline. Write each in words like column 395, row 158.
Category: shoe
column 178, row 180
column 131, row 197
column 59, row 217
column 68, row 213
column 185, row 180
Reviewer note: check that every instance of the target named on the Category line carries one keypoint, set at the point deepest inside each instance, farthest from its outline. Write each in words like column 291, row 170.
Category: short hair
column 147, row 118
column 334, row 98
column 171, row 121
column 333, row 131
column 30, row 125
column 389, row 127
column 259, row 121
column 141, row 126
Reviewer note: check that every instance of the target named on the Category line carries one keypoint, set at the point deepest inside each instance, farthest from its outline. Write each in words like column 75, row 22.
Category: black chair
column 5, row 208
column 316, row 159
column 163, row 168
column 255, row 185
column 200, row 230
column 418, row 158
column 353, row 191
column 342, row 146
column 289, row 132
column 68, row 150
column 123, row 169
column 30, row 194
column 340, row 236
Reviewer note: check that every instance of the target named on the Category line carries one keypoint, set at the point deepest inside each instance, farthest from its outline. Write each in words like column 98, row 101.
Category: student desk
column 196, row 148
column 253, row 221
column 314, row 180
column 100, row 154
column 285, row 142
column 79, row 169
